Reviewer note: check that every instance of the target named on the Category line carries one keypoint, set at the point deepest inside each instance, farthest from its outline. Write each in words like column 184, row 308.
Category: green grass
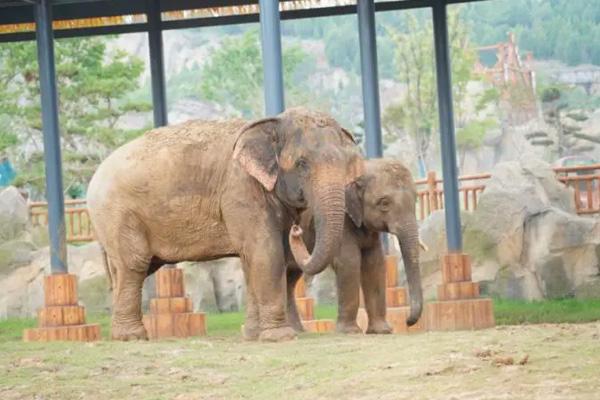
column 516, row 312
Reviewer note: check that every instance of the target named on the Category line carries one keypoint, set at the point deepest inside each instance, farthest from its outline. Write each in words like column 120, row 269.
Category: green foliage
column 234, row 73
column 566, row 30
column 93, row 86
column 417, row 113
column 471, row 135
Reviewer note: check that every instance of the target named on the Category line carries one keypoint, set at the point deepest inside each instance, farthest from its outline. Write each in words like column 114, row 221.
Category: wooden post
column 459, row 306
column 62, row 318
column 432, row 190
column 171, row 313
column 305, row 306
column 396, row 301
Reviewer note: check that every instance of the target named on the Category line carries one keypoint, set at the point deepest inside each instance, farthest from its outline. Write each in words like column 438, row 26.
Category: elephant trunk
column 408, row 237
column 328, row 210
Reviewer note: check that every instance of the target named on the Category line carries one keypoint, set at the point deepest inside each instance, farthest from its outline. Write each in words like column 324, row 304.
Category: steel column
column 370, row 82
column 50, row 128
column 446, row 117
column 157, row 67
column 270, row 34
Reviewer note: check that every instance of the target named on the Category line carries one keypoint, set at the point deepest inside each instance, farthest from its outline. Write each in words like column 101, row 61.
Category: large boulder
column 14, row 214
column 525, row 239
column 21, row 291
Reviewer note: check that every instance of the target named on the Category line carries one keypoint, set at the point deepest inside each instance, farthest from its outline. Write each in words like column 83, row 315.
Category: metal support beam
column 370, row 81
column 157, row 66
column 270, row 34
column 446, row 117
column 50, row 128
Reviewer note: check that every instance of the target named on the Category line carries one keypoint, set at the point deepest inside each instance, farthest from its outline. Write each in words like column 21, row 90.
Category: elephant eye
column 301, row 163
column 384, row 203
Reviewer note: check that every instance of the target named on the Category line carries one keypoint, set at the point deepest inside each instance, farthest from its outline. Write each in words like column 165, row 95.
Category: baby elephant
column 381, row 200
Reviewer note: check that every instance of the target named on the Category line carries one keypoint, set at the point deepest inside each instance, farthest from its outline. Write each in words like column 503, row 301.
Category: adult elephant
column 381, row 200
column 204, row 190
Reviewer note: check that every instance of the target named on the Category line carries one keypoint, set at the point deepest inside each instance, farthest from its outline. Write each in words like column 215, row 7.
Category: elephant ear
column 354, row 204
column 349, row 136
column 255, row 150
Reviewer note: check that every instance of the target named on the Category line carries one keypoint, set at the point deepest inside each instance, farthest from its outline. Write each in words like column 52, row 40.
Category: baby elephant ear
column 255, row 150
column 354, row 204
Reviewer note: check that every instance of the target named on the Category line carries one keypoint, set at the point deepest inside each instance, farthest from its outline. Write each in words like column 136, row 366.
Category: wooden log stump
column 61, row 318
column 391, row 271
column 171, row 312
column 459, row 306
column 306, row 310
column 319, row 325
column 396, row 297
column 396, row 318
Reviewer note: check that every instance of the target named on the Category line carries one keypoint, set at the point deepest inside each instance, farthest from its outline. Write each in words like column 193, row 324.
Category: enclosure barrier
column 584, row 179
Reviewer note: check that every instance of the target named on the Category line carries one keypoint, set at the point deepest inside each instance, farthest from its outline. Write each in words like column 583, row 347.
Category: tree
column 416, row 114
column 234, row 73
column 93, row 86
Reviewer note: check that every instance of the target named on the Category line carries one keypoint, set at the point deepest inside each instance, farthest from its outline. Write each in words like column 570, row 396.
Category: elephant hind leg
column 127, row 304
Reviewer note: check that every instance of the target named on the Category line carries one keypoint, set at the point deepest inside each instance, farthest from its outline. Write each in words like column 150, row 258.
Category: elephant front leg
column 293, row 276
column 373, row 285
column 268, row 280
column 347, row 269
column 127, row 305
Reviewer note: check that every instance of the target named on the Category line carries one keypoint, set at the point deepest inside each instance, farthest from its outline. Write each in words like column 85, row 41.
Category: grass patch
column 517, row 312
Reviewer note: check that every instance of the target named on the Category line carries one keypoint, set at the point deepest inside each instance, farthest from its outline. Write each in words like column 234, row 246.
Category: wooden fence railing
column 77, row 220
column 584, row 179
column 430, row 197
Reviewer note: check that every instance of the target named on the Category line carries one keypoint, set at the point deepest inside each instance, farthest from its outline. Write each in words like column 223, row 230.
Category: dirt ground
column 509, row 362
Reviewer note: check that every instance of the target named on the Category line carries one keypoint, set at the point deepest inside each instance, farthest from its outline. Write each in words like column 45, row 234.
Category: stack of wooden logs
column 459, row 306
column 306, row 306
column 396, row 301
column 62, row 318
column 171, row 313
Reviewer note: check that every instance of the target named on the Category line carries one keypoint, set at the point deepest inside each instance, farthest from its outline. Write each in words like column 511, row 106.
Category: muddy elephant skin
column 207, row 189
column 381, row 200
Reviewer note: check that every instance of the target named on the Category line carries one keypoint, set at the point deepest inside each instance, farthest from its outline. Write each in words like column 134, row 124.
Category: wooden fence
column 585, row 180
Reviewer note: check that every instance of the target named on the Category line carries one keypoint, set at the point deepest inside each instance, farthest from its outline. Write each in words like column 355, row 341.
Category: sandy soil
column 521, row 362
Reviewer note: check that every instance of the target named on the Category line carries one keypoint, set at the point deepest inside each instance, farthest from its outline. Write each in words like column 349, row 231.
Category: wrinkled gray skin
column 382, row 200
column 202, row 190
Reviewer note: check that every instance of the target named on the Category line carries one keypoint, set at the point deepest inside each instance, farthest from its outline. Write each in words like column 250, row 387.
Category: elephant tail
column 107, row 268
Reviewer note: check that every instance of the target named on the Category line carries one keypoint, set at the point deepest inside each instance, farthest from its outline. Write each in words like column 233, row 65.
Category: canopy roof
column 96, row 17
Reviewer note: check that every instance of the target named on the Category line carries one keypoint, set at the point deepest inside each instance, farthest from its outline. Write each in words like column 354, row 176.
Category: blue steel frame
column 273, row 79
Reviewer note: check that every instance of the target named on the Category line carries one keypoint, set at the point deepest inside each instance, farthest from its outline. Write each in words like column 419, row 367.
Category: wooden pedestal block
column 80, row 333
column 396, row 317
column 395, row 297
column 300, row 290
column 180, row 325
column 61, row 315
column 171, row 312
column 458, row 291
column 319, row 325
column 391, row 271
column 61, row 318
column 305, row 307
column 456, row 267
column 169, row 282
column 170, row 305
column 454, row 315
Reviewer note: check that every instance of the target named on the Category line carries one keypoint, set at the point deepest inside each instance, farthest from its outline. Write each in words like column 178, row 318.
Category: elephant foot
column 277, row 334
column 347, row 328
column 127, row 332
column 379, row 328
column 297, row 326
column 250, row 334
